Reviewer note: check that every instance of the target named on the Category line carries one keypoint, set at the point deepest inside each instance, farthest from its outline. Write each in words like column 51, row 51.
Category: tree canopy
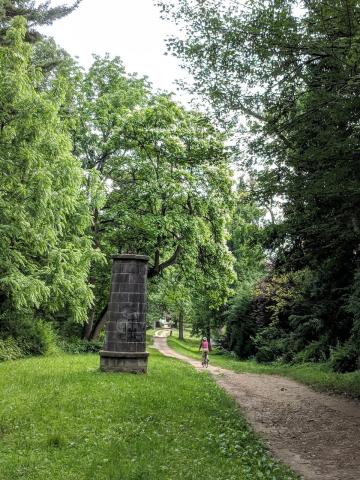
column 46, row 250
column 97, row 162
column 291, row 70
column 166, row 178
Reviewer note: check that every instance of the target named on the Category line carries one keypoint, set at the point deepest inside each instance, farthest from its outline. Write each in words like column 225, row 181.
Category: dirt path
column 317, row 435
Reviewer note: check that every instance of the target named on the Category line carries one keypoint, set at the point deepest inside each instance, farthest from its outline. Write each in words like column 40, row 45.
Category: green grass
column 150, row 336
column 61, row 418
column 318, row 376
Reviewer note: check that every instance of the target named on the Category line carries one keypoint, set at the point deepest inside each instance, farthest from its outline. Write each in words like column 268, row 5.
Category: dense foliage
column 167, row 178
column 95, row 163
column 45, row 248
column 150, row 177
column 290, row 69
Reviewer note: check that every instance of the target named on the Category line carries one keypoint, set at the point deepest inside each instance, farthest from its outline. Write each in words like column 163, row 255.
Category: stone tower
column 125, row 348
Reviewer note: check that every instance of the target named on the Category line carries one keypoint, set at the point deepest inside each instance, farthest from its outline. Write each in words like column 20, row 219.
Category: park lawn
column 318, row 376
column 150, row 336
column 61, row 418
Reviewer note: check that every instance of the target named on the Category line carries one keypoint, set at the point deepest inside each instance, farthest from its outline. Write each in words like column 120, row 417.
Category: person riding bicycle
column 204, row 347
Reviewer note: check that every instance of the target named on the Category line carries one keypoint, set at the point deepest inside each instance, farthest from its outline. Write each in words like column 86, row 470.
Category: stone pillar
column 124, row 348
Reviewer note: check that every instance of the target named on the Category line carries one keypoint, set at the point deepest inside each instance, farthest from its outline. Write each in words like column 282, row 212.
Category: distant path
column 317, row 435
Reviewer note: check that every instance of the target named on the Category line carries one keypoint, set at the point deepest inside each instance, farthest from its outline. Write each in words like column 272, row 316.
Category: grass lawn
column 319, row 376
column 61, row 418
column 150, row 336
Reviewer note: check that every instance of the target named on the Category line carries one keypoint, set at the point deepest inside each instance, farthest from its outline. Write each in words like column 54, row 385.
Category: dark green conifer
column 36, row 15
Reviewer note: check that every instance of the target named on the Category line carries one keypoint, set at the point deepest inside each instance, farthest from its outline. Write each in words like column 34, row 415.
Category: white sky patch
column 130, row 29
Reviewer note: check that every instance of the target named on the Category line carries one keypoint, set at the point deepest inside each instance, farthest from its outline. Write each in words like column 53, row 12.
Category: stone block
column 137, row 297
column 130, row 267
column 113, row 307
column 142, row 308
column 119, row 297
column 140, row 347
column 111, row 336
column 130, row 288
column 111, row 346
column 112, row 317
column 120, row 277
column 137, row 278
column 127, row 362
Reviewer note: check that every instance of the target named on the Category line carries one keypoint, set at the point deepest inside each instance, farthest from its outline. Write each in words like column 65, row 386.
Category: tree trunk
column 88, row 326
column 181, row 325
column 98, row 325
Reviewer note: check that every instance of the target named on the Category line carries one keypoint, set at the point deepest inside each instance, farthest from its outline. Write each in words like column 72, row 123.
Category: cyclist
column 204, row 347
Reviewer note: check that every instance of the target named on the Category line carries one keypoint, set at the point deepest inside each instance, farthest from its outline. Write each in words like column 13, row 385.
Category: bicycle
column 205, row 359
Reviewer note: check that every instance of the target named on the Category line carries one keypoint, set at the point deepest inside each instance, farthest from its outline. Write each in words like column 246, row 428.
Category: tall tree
column 172, row 195
column 172, row 296
column 101, row 100
column 46, row 55
column 293, row 73
column 172, row 184
column 167, row 175
column 45, row 247
column 247, row 241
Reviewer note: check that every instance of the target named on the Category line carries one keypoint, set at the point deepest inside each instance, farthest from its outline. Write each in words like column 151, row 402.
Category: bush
column 76, row 345
column 39, row 339
column 345, row 358
column 271, row 344
column 266, row 355
column 317, row 351
column 10, row 350
column 33, row 336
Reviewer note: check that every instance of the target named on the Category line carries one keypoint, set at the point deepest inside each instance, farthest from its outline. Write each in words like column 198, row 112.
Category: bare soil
column 317, row 435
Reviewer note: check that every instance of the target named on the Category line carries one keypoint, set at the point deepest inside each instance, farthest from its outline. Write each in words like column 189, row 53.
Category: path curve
column 317, row 435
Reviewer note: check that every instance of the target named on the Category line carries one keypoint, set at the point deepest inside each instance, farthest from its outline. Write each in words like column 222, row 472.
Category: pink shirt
column 205, row 344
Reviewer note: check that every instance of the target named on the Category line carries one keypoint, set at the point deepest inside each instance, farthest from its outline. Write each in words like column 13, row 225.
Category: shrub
column 345, row 358
column 39, row 339
column 10, row 350
column 353, row 307
column 317, row 351
column 266, row 354
column 271, row 344
column 240, row 324
column 33, row 336
column 77, row 345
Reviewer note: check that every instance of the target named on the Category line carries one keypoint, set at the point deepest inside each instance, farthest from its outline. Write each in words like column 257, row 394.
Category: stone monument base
column 130, row 362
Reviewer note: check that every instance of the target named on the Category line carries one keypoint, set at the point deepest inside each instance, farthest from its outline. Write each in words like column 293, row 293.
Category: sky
column 130, row 29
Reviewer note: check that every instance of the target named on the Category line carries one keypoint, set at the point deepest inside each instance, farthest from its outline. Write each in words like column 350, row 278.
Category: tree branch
column 157, row 269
